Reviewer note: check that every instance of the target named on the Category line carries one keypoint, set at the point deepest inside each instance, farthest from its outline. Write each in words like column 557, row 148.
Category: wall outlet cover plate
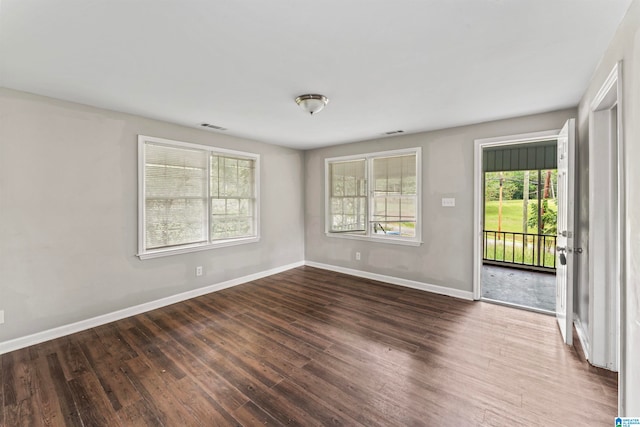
column 448, row 202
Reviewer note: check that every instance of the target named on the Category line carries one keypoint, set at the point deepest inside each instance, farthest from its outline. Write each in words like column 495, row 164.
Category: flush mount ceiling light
column 312, row 103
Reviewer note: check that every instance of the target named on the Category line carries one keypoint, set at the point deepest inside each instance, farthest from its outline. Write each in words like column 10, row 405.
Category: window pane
column 244, row 207
column 347, row 178
column 349, row 206
column 336, row 206
column 175, row 195
column 347, row 201
column 393, row 208
column 379, row 208
column 174, row 222
column 233, row 207
column 230, row 174
column 337, row 179
column 408, row 209
column 218, row 207
column 231, row 227
column 409, row 175
column 245, row 181
column 395, row 228
column 350, row 186
column 395, row 174
column 232, row 204
column 394, row 201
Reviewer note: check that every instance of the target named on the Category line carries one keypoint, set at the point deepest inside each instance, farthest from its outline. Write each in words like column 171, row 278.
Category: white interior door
column 564, row 253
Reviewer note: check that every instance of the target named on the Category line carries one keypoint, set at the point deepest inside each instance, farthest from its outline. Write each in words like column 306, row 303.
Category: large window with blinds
column 194, row 197
column 374, row 196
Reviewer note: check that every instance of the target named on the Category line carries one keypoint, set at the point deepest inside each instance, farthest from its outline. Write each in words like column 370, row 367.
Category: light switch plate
column 448, row 202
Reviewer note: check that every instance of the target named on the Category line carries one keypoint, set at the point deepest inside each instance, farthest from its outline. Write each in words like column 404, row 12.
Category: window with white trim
column 194, row 197
column 374, row 196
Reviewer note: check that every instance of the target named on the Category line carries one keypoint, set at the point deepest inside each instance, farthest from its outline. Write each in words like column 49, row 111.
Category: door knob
column 563, row 258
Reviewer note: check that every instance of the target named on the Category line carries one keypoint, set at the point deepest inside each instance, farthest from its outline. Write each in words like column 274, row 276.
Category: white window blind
column 175, row 196
column 374, row 196
column 195, row 197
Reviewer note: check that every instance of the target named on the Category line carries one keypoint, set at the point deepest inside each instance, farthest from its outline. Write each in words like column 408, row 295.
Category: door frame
column 607, row 230
column 478, row 193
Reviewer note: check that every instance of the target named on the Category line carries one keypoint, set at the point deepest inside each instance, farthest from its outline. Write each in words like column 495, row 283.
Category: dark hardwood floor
column 310, row 347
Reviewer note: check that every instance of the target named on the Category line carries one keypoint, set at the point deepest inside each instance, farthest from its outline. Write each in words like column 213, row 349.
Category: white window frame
column 367, row 234
column 143, row 252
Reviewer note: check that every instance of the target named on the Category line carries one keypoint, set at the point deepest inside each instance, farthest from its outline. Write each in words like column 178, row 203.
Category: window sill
column 157, row 253
column 386, row 240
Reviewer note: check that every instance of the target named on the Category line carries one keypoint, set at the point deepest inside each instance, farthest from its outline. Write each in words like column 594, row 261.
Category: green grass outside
column 505, row 248
column 516, row 251
column 511, row 216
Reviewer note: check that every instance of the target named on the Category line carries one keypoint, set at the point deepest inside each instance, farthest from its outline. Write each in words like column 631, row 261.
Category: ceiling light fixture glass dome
column 312, row 103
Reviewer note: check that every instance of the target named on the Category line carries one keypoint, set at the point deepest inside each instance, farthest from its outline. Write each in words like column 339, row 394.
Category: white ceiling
column 384, row 64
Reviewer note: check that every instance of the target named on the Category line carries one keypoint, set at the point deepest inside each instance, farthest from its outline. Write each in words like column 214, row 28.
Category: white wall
column 446, row 257
column 68, row 215
column 625, row 46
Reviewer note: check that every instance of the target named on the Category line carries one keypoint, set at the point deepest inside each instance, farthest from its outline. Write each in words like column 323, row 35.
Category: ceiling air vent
column 210, row 126
column 393, row 132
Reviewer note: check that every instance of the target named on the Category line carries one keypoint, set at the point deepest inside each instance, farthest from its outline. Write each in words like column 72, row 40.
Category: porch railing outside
column 537, row 251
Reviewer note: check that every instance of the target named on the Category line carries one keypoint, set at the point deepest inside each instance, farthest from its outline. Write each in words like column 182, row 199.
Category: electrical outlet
column 199, row 271
column 1, row 317
column 357, row 256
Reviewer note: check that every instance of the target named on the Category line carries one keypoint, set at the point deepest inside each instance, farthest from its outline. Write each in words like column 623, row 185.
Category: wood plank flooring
column 309, row 347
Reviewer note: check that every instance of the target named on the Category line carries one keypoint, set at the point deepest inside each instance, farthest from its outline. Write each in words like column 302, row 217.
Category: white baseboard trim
column 583, row 337
column 436, row 289
column 38, row 337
